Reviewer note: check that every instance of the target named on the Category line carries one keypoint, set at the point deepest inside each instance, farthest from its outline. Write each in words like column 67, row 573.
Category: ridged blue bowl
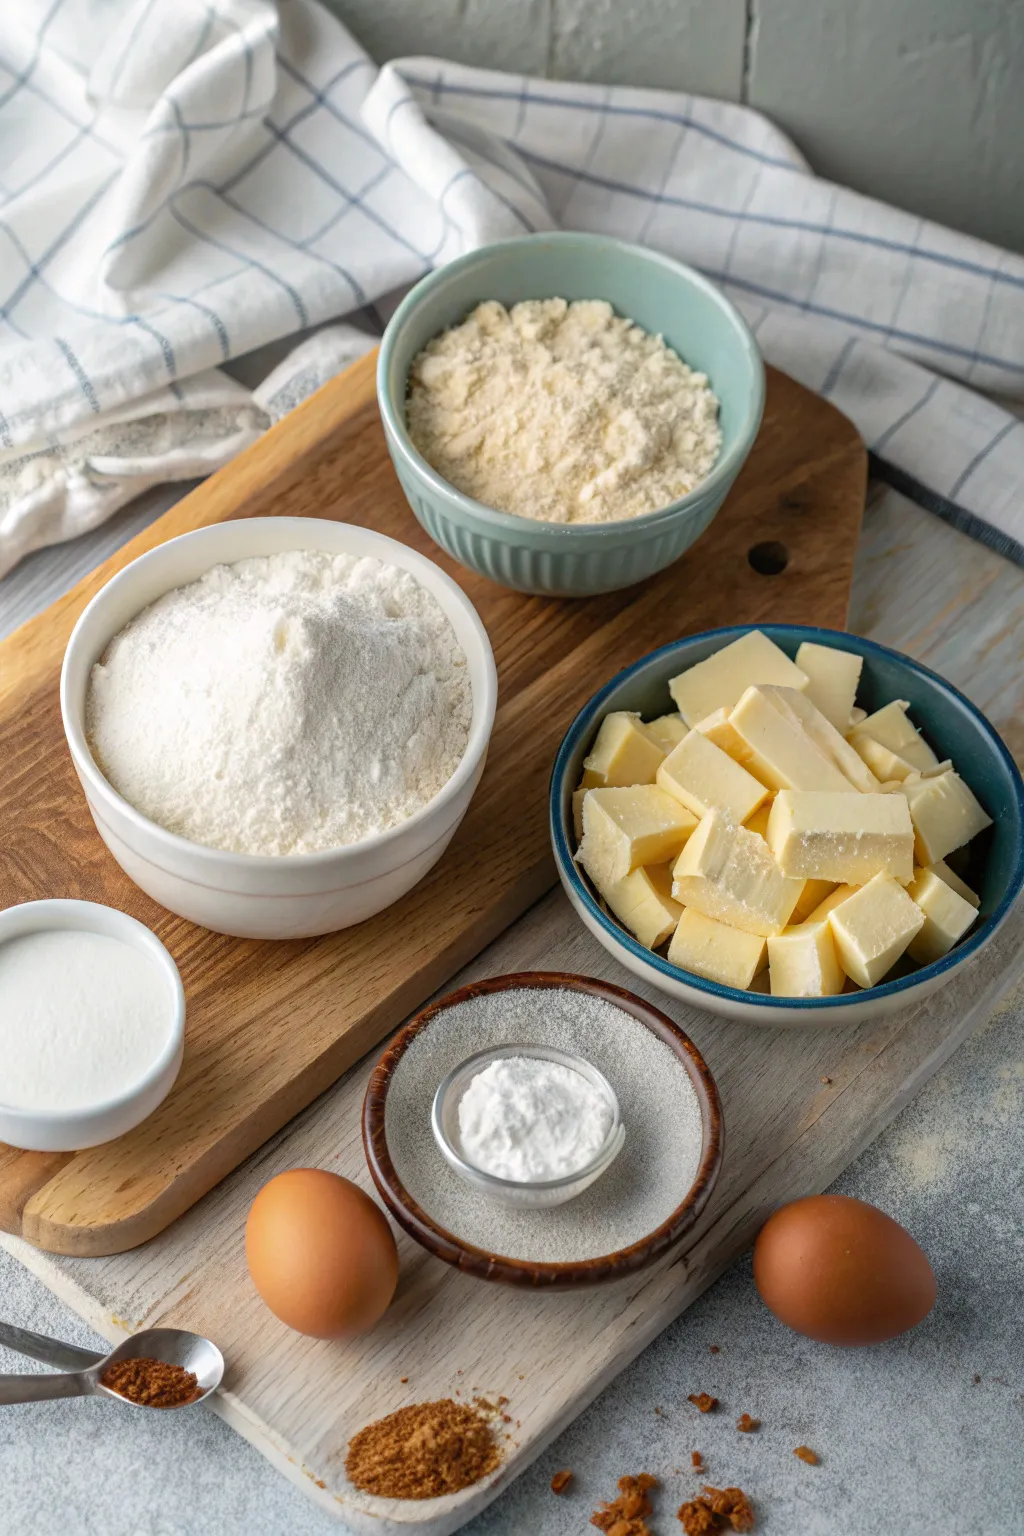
column 664, row 297
column 952, row 726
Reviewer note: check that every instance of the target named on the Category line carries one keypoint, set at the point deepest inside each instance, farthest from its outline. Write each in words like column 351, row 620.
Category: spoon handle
column 68, row 1357
column 40, row 1386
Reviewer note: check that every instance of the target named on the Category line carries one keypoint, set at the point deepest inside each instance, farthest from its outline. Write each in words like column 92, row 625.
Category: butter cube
column 623, row 753
column 873, row 927
column 832, row 680
column 728, row 873
column 715, row 951
column 947, row 917
column 887, row 765
column 643, row 903
column 804, row 714
column 802, row 962
column 668, row 731
column 811, row 898
column 782, row 755
column 829, row 902
column 759, row 821
column 845, row 838
column 716, row 728
column 701, row 775
column 718, row 682
column 624, row 828
column 945, row 814
column 894, row 729
column 952, row 879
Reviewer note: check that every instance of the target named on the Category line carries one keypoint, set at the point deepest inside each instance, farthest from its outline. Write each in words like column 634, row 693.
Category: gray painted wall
column 919, row 102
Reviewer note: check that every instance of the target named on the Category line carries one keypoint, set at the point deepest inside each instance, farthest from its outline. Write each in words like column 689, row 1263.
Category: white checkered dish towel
column 183, row 182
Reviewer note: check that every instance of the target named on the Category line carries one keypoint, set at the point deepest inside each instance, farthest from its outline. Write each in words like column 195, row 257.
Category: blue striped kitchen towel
column 182, row 182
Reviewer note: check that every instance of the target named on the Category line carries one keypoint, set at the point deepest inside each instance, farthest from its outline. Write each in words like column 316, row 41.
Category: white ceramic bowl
column 444, row 1120
column 253, row 895
column 70, row 1131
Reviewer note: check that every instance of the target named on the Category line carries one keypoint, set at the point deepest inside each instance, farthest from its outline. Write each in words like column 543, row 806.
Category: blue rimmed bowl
column 664, row 297
column 952, row 725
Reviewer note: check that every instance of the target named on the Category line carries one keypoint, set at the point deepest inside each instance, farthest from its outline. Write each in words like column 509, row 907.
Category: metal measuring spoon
column 83, row 1368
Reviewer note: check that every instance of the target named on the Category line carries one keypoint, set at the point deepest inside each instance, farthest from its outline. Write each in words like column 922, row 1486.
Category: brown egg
column 842, row 1271
column 320, row 1253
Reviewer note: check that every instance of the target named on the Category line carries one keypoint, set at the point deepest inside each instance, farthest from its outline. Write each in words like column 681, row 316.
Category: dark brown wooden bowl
column 520, row 1272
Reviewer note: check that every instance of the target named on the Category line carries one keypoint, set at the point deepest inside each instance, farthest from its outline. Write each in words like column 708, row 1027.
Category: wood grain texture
column 272, row 1025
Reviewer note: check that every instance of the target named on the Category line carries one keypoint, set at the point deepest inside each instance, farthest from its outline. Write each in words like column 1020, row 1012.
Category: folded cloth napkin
column 182, row 182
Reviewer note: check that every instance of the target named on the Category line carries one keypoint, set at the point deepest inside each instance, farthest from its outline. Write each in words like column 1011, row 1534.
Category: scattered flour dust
column 565, row 413
column 285, row 704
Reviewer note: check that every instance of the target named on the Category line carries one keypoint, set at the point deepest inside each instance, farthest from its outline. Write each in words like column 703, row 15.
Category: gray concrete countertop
column 921, row 1435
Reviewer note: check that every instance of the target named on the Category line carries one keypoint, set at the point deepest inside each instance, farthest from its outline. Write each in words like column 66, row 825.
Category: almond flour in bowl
column 284, row 704
column 563, row 413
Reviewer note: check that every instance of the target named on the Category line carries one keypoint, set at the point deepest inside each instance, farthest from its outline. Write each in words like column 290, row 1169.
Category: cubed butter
column 759, row 821
column 829, row 902
column 716, row 728
column 701, row 775
column 845, row 838
column 811, row 897
column 886, row 765
column 945, row 814
column 623, row 753
column 728, row 873
column 893, row 727
column 643, row 903
column 802, row 962
column 832, row 678
column 668, row 731
column 624, row 828
column 807, row 717
column 718, row 682
column 782, row 755
column 713, row 950
column 953, row 880
column 873, row 927
column 947, row 917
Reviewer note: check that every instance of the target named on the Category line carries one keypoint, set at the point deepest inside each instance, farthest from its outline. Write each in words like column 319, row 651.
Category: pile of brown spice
column 627, row 1515
column 423, row 1451
column 717, row 1509
column 152, row 1382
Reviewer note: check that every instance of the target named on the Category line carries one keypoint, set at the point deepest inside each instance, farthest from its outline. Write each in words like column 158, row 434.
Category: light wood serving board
column 272, row 1025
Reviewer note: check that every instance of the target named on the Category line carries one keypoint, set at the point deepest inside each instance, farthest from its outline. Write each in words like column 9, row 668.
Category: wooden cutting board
column 271, row 1025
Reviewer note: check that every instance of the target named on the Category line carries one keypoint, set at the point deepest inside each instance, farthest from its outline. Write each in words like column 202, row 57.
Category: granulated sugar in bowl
column 647, row 1198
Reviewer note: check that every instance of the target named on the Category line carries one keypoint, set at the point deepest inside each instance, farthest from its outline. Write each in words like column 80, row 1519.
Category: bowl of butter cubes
column 787, row 825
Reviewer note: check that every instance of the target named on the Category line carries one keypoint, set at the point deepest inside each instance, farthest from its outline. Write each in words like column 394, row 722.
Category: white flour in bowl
column 565, row 413
column 285, row 704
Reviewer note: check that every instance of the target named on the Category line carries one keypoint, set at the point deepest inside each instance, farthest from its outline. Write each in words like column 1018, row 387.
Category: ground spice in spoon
column 423, row 1451
column 155, row 1383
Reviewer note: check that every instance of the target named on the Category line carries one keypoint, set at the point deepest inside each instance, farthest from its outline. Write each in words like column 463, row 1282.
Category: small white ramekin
column 256, row 896
column 535, row 1195
column 71, row 1130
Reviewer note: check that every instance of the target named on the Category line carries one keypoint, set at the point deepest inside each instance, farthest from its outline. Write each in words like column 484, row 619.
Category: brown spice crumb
column 806, row 1454
column 626, row 1515
column 319, row 1482
column 422, row 1452
column 827, row 1081
column 697, row 1460
column 404, row 1380
column 704, row 1401
column 561, row 1481
column 506, row 1418
column 502, row 1401
column 977, row 1378
column 715, row 1349
column 153, row 1382
column 746, row 1425
column 717, row 1509
column 660, row 1413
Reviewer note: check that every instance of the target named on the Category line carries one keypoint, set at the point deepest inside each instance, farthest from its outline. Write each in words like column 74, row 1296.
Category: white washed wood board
column 920, row 586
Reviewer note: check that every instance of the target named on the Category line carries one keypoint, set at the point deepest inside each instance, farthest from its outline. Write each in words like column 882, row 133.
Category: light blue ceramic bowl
column 952, row 726
column 664, row 297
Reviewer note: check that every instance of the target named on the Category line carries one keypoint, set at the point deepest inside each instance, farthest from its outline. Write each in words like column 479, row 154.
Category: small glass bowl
column 444, row 1119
